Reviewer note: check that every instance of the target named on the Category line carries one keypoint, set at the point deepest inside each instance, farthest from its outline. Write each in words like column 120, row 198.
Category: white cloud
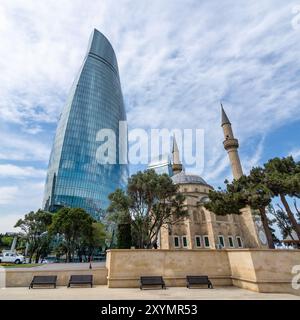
column 254, row 159
column 40, row 53
column 8, row 194
column 13, row 171
column 16, row 201
column 177, row 60
column 20, row 147
column 296, row 154
column 8, row 222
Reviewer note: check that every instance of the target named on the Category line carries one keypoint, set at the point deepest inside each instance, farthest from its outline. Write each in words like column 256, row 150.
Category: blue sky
column 177, row 60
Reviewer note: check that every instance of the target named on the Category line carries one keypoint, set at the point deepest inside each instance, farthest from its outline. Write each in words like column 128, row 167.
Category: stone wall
column 22, row 277
column 126, row 266
column 2, row 277
column 264, row 270
column 259, row 270
column 254, row 269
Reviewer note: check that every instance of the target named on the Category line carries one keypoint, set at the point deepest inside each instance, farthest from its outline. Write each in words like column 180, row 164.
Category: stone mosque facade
column 203, row 229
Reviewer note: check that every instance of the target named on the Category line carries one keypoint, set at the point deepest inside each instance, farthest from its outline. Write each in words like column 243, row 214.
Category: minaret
column 231, row 146
column 176, row 165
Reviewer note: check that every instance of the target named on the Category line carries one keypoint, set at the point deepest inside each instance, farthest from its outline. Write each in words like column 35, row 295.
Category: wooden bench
column 198, row 280
column 152, row 281
column 81, row 279
column 43, row 280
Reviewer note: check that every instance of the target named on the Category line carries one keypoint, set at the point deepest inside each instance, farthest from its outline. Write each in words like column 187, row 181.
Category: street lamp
column 90, row 266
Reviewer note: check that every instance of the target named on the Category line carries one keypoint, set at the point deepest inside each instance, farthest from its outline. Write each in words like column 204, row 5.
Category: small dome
column 204, row 200
column 184, row 178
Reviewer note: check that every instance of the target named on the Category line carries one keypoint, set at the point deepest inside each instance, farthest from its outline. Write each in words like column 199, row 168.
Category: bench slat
column 81, row 279
column 43, row 280
column 151, row 281
column 193, row 280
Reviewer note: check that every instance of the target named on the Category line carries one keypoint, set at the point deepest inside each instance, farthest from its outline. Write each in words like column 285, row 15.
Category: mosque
column 203, row 229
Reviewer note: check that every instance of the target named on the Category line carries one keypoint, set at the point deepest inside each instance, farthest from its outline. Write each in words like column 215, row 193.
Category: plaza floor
column 104, row 293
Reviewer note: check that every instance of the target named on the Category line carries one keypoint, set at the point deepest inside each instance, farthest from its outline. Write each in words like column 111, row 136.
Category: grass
column 12, row 265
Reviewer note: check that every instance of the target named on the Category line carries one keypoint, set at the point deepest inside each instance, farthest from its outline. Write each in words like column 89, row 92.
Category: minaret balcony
column 230, row 143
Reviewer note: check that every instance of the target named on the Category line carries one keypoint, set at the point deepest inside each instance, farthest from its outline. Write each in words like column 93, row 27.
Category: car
column 43, row 261
column 12, row 257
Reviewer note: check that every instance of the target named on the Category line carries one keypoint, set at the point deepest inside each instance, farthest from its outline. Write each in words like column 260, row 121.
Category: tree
column 150, row 202
column 73, row 224
column 6, row 241
column 95, row 239
column 282, row 221
column 118, row 216
column 92, row 240
column 297, row 210
column 223, row 202
column 124, row 239
column 282, row 177
column 34, row 227
column 246, row 191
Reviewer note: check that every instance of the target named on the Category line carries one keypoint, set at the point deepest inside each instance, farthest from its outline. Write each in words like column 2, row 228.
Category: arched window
column 195, row 216
column 202, row 213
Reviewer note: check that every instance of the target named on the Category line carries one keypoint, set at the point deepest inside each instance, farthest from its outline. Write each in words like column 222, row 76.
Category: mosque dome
column 185, row 178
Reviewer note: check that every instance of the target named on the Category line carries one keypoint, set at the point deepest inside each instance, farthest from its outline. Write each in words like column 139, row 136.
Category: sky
column 177, row 61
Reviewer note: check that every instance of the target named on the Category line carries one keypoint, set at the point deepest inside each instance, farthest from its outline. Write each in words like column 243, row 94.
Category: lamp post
column 90, row 266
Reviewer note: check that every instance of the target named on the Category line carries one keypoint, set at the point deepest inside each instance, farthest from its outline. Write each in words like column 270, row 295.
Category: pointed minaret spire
column 231, row 146
column 224, row 116
column 176, row 166
column 175, row 147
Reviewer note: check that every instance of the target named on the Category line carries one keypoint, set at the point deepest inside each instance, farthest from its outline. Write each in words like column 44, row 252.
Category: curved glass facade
column 75, row 178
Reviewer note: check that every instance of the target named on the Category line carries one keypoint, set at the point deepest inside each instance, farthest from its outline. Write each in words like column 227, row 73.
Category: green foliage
column 6, row 241
column 282, row 176
column 75, row 226
column 119, row 207
column 13, row 265
column 246, row 191
column 282, row 220
column 34, row 227
column 278, row 177
column 98, row 234
column 124, row 239
column 250, row 191
column 150, row 201
column 223, row 203
column 94, row 240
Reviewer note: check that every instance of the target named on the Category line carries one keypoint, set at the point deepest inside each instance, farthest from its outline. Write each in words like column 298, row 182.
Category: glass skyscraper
column 162, row 164
column 75, row 176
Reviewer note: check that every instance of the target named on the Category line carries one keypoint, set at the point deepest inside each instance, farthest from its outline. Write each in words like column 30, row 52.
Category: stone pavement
column 105, row 293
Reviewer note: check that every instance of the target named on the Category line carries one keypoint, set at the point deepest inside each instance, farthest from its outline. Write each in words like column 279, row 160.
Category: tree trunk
column 268, row 232
column 31, row 256
column 290, row 214
column 68, row 255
